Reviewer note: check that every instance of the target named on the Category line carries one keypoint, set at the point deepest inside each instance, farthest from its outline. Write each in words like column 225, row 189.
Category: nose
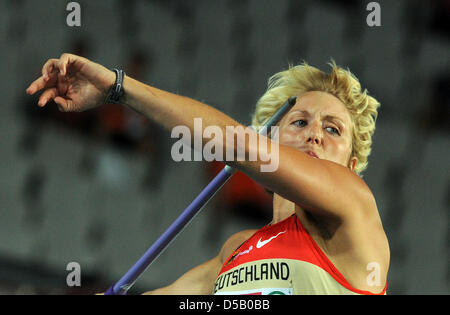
column 314, row 134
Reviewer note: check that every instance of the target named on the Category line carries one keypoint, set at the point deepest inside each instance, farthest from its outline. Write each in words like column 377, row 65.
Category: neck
column 282, row 208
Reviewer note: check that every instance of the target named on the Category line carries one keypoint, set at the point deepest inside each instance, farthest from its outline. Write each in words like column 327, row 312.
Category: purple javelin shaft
column 169, row 235
column 122, row 286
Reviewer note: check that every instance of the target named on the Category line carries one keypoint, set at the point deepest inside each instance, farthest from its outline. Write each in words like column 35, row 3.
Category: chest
column 281, row 241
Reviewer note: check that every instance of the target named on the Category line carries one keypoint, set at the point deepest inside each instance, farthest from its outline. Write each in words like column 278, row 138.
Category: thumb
column 63, row 104
column 67, row 59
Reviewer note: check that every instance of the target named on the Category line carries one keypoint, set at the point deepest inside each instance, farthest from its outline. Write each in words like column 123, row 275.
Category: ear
column 352, row 163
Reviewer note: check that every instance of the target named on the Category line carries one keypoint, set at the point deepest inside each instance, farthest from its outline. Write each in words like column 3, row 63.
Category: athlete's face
column 319, row 124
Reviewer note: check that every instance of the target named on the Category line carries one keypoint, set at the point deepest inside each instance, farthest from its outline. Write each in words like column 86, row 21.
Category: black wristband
column 116, row 91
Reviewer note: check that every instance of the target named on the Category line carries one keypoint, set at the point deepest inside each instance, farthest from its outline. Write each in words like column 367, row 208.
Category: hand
column 74, row 83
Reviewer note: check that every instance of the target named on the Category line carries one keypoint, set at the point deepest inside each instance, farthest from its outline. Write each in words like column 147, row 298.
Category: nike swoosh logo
column 261, row 244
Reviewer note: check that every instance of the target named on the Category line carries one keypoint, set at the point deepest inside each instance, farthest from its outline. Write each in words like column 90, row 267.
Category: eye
column 333, row 130
column 300, row 123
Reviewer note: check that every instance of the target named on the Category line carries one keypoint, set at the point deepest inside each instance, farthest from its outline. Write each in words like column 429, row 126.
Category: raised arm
column 322, row 187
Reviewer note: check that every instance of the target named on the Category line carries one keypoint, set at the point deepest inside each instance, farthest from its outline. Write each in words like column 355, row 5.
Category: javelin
column 127, row 281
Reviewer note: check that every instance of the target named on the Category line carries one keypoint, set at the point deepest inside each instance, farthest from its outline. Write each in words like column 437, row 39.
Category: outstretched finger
column 42, row 82
column 48, row 94
column 37, row 85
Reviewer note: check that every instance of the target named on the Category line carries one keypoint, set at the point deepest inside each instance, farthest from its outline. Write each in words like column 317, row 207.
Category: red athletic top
column 281, row 259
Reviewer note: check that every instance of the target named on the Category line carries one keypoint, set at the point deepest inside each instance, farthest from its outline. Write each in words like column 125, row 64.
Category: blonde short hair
column 339, row 82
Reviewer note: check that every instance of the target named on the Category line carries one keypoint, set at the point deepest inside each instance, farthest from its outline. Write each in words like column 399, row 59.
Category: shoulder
column 233, row 242
column 367, row 230
column 364, row 215
column 360, row 212
column 361, row 220
column 366, row 236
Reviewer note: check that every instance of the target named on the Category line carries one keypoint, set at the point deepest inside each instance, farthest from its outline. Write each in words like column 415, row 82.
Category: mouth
column 311, row 153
